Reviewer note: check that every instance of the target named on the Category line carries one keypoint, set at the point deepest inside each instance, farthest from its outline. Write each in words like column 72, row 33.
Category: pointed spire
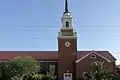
column 66, row 6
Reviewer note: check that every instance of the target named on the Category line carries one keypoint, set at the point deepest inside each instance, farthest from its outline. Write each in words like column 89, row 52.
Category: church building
column 67, row 61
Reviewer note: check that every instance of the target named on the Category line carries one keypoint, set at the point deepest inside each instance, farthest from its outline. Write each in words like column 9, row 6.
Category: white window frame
column 92, row 55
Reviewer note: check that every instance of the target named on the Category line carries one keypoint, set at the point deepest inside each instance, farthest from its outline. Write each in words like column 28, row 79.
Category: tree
column 99, row 72
column 20, row 66
column 4, row 75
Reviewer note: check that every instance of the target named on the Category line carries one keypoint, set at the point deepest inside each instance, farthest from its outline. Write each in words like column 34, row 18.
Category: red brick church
column 67, row 59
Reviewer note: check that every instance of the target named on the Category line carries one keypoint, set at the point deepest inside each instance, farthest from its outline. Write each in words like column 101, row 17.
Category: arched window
column 67, row 24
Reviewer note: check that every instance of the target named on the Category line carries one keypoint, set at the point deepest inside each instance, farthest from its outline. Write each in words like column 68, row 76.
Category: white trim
column 66, row 28
column 74, row 36
column 103, row 57
column 92, row 55
column 67, row 44
column 67, row 37
column 78, row 60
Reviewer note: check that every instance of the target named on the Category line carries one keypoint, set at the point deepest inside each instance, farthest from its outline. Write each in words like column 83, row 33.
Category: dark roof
column 46, row 55
column 39, row 55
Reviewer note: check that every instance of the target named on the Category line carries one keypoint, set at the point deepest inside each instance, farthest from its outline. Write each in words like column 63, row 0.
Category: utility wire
column 32, row 30
column 79, row 26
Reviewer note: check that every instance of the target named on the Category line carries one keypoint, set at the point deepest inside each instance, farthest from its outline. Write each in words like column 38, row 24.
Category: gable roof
column 47, row 55
column 103, row 54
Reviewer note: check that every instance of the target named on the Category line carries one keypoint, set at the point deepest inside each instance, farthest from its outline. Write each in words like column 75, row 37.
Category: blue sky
column 34, row 24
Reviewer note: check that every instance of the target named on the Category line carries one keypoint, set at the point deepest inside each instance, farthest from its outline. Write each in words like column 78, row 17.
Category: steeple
column 66, row 7
column 66, row 17
column 67, row 46
column 67, row 30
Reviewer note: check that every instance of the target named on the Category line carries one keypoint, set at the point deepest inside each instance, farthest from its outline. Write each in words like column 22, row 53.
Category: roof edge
column 79, row 59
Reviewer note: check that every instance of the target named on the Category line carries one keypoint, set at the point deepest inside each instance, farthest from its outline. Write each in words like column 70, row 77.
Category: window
column 52, row 68
column 93, row 56
column 67, row 24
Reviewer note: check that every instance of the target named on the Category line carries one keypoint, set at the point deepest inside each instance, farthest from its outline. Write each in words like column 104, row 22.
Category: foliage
column 18, row 67
column 116, row 78
column 51, row 76
column 23, row 68
column 4, row 71
column 99, row 72
column 48, row 76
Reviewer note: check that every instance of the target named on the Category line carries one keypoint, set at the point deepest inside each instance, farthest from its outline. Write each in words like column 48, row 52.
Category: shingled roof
column 39, row 55
column 47, row 55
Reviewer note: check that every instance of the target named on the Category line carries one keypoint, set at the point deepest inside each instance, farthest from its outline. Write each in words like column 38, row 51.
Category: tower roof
column 66, row 7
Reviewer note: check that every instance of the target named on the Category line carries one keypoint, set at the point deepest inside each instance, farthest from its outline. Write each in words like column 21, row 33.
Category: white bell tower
column 67, row 30
column 66, row 17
